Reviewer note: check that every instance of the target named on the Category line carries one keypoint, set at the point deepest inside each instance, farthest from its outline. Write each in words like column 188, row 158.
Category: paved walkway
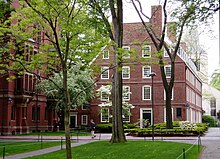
column 211, row 141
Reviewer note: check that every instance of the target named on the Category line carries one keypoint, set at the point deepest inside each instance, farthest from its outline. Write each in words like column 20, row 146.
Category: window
column 104, row 115
column 13, row 113
column 126, row 115
column 104, row 96
column 105, row 54
column 126, row 53
column 165, row 94
column 38, row 113
column 33, row 113
column 125, row 72
column 168, row 71
column 85, row 107
column 179, row 112
column 165, row 114
column 146, row 70
column 105, row 73
column 165, row 52
column 146, row 51
column 84, row 120
column 46, row 113
column 146, row 92
column 126, row 93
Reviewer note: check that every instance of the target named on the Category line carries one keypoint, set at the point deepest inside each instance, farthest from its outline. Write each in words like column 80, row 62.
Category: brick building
column 187, row 91
column 22, row 108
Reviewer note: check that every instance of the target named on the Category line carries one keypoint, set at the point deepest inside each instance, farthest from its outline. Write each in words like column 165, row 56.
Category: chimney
column 171, row 31
column 156, row 19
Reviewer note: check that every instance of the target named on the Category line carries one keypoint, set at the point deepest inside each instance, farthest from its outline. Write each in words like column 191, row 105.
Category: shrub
column 211, row 121
column 107, row 128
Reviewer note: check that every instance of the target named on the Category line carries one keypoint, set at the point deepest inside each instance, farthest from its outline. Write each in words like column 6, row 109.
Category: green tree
column 115, row 32
column 215, row 82
column 80, row 87
column 187, row 13
column 57, row 30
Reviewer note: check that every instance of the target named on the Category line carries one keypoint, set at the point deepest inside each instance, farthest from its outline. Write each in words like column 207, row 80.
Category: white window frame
column 165, row 69
column 165, row 94
column 125, row 73
column 144, row 55
column 126, row 49
column 104, row 99
column 104, row 72
column 143, row 88
column 143, row 72
column 103, row 54
column 141, row 115
column 107, row 117
column 165, row 54
column 86, row 123
column 128, row 93
column 129, row 119
column 164, row 114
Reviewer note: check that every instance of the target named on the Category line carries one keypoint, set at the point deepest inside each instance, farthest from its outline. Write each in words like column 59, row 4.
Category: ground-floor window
column 105, row 115
column 84, row 120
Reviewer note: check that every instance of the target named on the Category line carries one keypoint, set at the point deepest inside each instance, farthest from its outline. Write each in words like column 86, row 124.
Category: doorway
column 145, row 115
column 73, row 121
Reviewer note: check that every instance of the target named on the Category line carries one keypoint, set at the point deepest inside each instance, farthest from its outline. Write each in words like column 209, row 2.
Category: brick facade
column 183, row 107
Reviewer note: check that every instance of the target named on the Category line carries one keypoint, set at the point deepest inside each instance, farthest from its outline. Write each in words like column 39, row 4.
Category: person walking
column 92, row 127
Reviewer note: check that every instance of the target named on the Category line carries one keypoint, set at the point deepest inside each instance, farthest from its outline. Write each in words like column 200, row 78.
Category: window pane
column 126, row 72
column 168, row 71
column 178, row 112
column 146, row 51
column 105, row 54
column 104, row 96
column 126, row 53
column 105, row 73
column 126, row 93
column 146, row 71
column 146, row 93
column 104, row 115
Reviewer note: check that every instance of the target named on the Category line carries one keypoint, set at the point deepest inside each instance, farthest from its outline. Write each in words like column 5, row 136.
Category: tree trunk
column 169, row 120
column 66, row 114
column 117, row 122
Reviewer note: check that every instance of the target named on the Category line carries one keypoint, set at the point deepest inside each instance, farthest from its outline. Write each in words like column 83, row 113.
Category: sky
column 209, row 41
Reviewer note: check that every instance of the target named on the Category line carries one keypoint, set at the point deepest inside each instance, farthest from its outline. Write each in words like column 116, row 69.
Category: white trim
column 142, row 51
column 107, row 118
column 128, row 72
column 165, row 54
column 104, row 99
column 148, row 86
column 167, row 66
column 75, row 120
column 126, row 48
column 86, row 123
column 164, row 92
column 124, row 87
column 129, row 117
column 102, row 71
column 103, row 54
column 164, row 114
column 141, row 116
column 143, row 75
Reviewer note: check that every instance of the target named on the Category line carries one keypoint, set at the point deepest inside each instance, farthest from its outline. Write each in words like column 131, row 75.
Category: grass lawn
column 128, row 150
column 22, row 147
column 61, row 133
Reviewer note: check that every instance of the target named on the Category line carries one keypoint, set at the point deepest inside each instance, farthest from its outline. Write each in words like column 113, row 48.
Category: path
column 211, row 141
